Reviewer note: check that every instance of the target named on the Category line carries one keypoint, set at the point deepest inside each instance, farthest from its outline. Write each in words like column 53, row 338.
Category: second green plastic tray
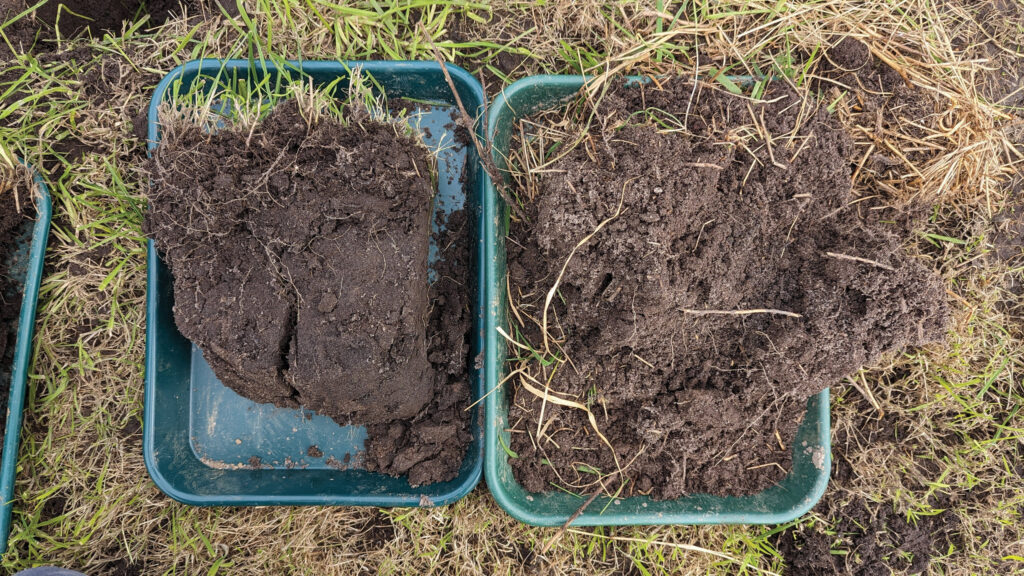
column 791, row 498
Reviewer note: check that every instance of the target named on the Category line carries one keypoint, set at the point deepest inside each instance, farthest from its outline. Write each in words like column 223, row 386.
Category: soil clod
column 299, row 254
column 739, row 280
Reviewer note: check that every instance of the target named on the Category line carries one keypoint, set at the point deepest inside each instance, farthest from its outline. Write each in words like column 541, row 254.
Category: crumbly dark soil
column 869, row 537
column 11, row 221
column 300, row 270
column 704, row 403
column 876, row 541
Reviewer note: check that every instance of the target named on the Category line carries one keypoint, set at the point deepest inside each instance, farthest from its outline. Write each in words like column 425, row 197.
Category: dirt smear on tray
column 733, row 277
column 16, row 207
column 299, row 256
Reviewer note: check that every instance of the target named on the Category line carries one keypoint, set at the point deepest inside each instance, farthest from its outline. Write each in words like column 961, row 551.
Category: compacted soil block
column 697, row 286
column 299, row 255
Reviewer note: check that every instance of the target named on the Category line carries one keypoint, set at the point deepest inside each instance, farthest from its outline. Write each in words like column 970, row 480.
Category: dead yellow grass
column 84, row 499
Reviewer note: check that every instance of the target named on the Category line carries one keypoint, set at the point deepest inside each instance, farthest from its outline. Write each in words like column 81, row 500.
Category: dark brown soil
column 11, row 221
column 870, row 537
column 426, row 448
column 875, row 540
column 300, row 266
column 74, row 17
column 703, row 402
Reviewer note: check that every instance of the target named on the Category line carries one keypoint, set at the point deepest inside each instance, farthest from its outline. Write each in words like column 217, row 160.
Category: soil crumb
column 299, row 255
column 698, row 225
column 16, row 207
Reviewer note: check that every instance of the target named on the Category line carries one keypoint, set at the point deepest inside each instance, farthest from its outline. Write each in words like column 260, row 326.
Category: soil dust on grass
column 299, row 255
column 733, row 276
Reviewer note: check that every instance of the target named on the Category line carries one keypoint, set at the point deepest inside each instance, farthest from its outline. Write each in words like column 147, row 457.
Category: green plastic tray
column 791, row 498
column 198, row 435
column 26, row 269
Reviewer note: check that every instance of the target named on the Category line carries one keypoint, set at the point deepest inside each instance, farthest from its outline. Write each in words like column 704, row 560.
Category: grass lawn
column 928, row 445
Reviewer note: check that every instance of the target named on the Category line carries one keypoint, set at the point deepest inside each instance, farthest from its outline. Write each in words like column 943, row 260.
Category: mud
column 718, row 220
column 299, row 257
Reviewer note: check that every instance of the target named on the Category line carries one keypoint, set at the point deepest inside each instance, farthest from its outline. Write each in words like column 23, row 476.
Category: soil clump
column 300, row 263
column 731, row 280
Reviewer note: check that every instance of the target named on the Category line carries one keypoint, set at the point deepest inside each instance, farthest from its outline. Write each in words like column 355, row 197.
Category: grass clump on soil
column 298, row 240
column 693, row 268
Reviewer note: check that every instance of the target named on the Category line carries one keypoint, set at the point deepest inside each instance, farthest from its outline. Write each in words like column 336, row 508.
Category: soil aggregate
column 299, row 257
column 714, row 220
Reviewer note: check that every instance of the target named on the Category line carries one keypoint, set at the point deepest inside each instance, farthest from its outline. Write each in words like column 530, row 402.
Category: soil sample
column 16, row 207
column 731, row 277
column 299, row 256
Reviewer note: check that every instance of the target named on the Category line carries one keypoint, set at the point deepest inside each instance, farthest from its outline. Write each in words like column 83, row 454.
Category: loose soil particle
column 876, row 541
column 704, row 403
column 300, row 269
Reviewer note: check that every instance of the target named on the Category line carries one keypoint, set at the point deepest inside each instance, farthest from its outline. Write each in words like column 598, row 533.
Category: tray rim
column 23, row 351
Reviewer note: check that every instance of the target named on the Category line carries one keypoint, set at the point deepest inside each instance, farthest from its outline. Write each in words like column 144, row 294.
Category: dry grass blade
column 740, row 312
column 571, row 404
column 687, row 547
column 839, row 256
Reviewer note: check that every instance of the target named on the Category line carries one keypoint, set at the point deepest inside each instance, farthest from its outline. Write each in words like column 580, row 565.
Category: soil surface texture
column 299, row 257
column 15, row 208
column 431, row 448
column 695, row 398
column 73, row 17
column 867, row 537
